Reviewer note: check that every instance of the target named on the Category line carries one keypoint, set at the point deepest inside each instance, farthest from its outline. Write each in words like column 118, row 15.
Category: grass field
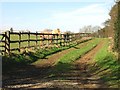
column 23, row 44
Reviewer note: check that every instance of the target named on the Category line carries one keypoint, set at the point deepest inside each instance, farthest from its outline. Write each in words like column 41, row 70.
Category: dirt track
column 38, row 75
column 78, row 77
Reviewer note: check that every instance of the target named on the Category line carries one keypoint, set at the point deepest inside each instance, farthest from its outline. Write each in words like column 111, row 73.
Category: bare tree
column 89, row 29
column 11, row 29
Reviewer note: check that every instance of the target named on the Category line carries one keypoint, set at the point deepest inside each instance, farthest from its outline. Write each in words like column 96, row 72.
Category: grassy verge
column 107, row 66
column 66, row 60
column 28, row 57
column 9, row 62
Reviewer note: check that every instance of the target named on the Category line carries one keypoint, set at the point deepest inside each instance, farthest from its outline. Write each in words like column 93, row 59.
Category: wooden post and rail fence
column 8, row 39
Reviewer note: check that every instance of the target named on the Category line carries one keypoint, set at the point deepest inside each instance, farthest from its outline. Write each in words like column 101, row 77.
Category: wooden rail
column 40, row 40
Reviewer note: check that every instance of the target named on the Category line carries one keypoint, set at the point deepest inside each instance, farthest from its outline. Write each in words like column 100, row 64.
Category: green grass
column 30, row 57
column 107, row 66
column 66, row 60
column 23, row 37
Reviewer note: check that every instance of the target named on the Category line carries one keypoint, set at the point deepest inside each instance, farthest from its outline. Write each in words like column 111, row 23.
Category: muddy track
column 34, row 73
column 89, row 80
column 78, row 77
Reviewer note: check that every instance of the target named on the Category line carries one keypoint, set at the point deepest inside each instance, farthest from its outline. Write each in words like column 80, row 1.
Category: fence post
column 60, row 39
column 54, row 39
column 43, row 41
column 57, row 39
column 29, row 39
column 19, row 41
column 36, row 39
column 68, row 39
column 48, row 39
column 73, row 38
column 9, row 42
column 5, row 43
column 63, row 39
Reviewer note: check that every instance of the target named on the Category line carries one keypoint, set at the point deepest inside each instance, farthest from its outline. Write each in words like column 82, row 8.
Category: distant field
column 23, row 44
column 23, row 37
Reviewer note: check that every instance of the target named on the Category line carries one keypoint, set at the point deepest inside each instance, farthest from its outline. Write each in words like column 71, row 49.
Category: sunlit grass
column 30, row 57
column 108, row 66
column 74, row 55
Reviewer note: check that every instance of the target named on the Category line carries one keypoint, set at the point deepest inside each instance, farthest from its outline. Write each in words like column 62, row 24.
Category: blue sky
column 36, row 16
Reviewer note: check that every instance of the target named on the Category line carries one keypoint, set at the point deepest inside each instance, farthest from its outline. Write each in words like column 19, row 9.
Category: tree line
column 111, row 27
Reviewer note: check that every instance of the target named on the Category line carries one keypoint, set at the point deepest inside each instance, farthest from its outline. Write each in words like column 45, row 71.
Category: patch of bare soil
column 34, row 74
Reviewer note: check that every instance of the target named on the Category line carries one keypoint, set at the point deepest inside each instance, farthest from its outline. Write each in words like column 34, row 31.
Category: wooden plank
column 2, row 34
column 2, row 50
column 17, row 33
column 44, row 33
column 17, row 41
column 13, row 49
column 2, row 46
column 2, row 41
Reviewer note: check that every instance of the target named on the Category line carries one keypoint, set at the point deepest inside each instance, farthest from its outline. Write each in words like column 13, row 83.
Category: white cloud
column 92, row 9
column 90, row 15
